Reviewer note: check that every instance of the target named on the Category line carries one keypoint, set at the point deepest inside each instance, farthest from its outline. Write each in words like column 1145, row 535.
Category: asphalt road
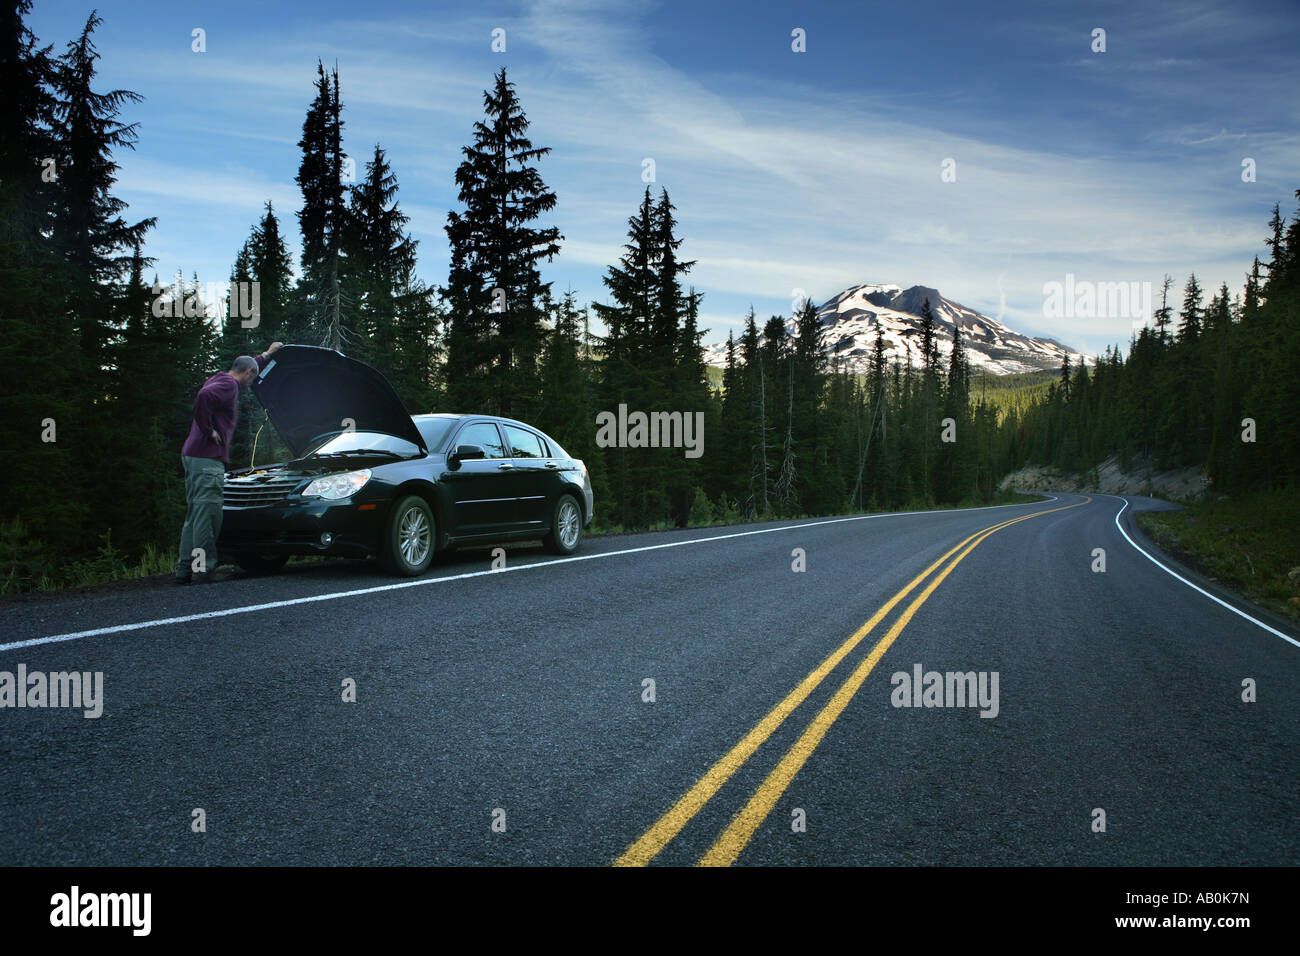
column 518, row 698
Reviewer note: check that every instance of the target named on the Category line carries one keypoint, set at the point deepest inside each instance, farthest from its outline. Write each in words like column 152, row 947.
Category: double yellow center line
column 737, row 835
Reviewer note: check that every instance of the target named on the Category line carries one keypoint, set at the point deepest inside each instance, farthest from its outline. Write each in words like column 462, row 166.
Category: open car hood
column 308, row 392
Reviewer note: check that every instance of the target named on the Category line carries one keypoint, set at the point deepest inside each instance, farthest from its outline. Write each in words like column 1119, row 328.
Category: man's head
column 244, row 369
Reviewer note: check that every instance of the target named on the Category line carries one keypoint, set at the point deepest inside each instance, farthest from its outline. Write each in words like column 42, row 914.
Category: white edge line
column 420, row 582
column 1219, row 601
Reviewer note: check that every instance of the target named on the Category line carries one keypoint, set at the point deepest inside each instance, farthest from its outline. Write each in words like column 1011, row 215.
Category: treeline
column 97, row 390
column 356, row 289
column 103, row 359
column 1208, row 383
column 804, row 432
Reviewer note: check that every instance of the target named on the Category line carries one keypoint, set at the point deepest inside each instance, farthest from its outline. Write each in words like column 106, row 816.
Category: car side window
column 524, row 444
column 484, row 434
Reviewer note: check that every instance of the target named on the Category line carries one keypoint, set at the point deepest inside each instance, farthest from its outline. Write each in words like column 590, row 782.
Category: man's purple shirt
column 215, row 406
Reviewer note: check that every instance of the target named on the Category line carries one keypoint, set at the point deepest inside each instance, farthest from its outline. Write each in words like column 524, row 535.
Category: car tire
column 566, row 526
column 261, row 563
column 409, row 538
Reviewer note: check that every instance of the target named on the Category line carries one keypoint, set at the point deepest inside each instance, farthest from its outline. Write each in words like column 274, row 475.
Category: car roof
column 457, row 415
column 454, row 416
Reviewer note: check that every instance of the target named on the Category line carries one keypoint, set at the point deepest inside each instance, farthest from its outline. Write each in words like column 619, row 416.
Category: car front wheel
column 408, row 544
column 566, row 526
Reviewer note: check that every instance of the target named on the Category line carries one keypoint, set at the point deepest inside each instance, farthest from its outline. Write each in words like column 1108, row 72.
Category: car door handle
column 505, row 466
column 551, row 464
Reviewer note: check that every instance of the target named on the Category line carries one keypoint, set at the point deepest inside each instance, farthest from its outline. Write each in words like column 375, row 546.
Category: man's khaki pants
column 204, row 483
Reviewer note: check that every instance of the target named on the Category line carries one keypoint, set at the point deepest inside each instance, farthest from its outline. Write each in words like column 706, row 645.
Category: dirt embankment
column 1180, row 484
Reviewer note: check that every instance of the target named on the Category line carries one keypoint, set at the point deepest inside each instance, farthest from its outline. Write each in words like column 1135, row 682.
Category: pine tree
column 693, row 394
column 171, row 349
column 98, row 249
column 774, row 357
column 878, row 469
column 753, row 393
column 1222, row 459
column 730, row 456
column 669, row 305
column 631, row 373
column 567, row 405
column 273, row 271
column 96, row 242
column 1189, row 328
column 263, row 259
column 1164, row 314
column 323, row 217
column 958, row 370
column 676, row 359
column 27, row 137
column 38, row 340
column 381, row 263
column 1287, row 257
column 931, row 400
column 632, row 286
column 878, row 355
column 1277, row 252
column 1218, row 315
column 494, row 289
column 417, row 361
column 1253, row 280
column 929, row 348
column 809, row 365
column 957, row 459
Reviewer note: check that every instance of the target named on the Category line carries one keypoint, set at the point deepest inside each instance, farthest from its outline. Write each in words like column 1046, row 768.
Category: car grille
column 257, row 493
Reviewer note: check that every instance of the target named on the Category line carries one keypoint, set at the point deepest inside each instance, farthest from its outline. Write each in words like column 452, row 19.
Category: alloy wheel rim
column 569, row 524
column 413, row 537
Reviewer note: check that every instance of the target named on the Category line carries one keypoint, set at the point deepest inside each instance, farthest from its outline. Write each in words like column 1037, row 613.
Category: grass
column 25, row 569
column 106, row 566
column 1249, row 544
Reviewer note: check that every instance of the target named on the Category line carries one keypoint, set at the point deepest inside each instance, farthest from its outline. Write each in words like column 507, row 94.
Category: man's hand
column 274, row 346
column 216, row 436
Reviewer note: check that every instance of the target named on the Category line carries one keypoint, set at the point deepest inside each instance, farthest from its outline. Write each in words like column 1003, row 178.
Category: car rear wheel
column 566, row 526
column 408, row 545
column 261, row 563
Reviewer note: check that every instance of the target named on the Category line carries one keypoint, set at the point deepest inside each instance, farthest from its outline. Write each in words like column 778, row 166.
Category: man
column 205, row 456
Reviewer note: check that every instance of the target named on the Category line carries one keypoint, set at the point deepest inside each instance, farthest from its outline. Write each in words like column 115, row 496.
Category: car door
column 536, row 474
column 482, row 490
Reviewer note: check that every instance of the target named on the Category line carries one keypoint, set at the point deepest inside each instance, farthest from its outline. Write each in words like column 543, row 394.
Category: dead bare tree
column 785, row 489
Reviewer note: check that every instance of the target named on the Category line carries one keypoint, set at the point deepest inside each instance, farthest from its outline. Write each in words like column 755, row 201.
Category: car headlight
column 338, row 486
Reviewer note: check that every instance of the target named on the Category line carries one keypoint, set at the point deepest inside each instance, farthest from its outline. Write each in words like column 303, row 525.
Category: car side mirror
column 466, row 453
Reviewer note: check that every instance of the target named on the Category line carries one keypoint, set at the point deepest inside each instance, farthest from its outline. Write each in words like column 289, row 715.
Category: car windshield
column 363, row 442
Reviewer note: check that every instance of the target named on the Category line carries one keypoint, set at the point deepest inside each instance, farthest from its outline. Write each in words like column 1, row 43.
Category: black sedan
column 368, row 478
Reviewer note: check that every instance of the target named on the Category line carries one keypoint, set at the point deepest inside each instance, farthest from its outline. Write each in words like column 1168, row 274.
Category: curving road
column 502, row 717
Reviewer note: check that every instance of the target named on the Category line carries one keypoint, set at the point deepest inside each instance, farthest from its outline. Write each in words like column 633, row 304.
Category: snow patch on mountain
column 850, row 319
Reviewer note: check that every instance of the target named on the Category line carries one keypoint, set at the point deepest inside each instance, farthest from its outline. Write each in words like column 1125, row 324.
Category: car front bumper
column 299, row 527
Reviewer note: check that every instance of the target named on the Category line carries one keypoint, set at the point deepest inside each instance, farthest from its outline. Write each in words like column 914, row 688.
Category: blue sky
column 790, row 171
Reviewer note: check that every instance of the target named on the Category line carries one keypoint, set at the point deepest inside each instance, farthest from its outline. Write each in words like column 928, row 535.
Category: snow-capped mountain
column 849, row 323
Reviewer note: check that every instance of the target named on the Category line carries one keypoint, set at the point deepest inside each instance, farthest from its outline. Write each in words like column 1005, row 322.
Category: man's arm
column 261, row 360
